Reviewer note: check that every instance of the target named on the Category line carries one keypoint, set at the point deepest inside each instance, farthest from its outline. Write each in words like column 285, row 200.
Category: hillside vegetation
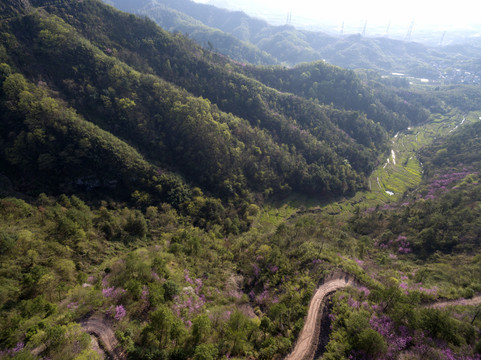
column 191, row 204
column 239, row 137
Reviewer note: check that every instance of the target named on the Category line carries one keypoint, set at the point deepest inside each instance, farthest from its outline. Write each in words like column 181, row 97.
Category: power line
column 388, row 27
column 410, row 31
column 442, row 39
column 289, row 18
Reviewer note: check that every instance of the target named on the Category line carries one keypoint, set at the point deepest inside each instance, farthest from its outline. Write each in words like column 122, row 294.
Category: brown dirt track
column 307, row 341
column 99, row 327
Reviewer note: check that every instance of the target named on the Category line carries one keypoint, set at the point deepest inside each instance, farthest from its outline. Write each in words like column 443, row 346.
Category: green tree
column 238, row 330
column 205, row 352
column 14, row 85
column 160, row 326
column 371, row 342
column 201, row 328
column 171, row 289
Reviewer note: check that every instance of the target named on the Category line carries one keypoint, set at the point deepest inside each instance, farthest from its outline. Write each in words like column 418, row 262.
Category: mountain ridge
column 290, row 46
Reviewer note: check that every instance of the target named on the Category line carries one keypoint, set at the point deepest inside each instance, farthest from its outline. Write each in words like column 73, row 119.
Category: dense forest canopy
column 240, row 136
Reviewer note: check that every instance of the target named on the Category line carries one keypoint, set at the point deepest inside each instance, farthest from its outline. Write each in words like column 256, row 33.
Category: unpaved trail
column 307, row 341
column 99, row 327
column 308, row 337
column 469, row 302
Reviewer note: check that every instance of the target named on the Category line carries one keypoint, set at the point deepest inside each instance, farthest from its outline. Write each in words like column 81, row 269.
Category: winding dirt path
column 468, row 302
column 307, row 340
column 97, row 326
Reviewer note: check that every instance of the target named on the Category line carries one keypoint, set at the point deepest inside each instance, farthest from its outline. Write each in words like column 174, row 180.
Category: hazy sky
column 447, row 14
column 428, row 11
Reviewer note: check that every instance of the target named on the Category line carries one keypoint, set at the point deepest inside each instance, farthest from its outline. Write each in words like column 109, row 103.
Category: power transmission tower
column 289, row 18
column 388, row 27
column 442, row 39
column 364, row 29
column 410, row 31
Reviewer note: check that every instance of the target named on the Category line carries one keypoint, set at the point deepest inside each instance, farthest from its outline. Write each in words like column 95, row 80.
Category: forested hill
column 175, row 19
column 235, row 22
column 177, row 204
column 281, row 43
column 10, row 8
column 98, row 99
column 328, row 84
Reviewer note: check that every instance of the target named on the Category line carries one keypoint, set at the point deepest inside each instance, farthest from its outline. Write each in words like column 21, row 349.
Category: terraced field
column 402, row 170
column 399, row 170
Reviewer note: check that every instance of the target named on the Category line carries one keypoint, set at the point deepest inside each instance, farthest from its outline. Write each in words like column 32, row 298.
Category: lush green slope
column 169, row 290
column 424, row 247
column 44, row 136
column 329, row 84
column 102, row 70
column 11, row 8
column 285, row 44
column 322, row 85
column 210, row 38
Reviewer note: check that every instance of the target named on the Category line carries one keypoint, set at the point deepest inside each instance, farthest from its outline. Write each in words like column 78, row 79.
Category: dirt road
column 307, row 340
column 100, row 328
column 469, row 302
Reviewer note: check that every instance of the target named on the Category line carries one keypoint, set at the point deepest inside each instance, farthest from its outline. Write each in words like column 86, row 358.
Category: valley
column 402, row 170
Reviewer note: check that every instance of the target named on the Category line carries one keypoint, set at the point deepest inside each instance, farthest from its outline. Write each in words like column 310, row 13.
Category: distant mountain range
column 247, row 39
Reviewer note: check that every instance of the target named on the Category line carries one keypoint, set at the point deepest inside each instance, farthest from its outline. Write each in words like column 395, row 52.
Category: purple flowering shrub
column 443, row 182
column 119, row 312
column 113, row 292
column 11, row 353
column 390, row 323
column 399, row 245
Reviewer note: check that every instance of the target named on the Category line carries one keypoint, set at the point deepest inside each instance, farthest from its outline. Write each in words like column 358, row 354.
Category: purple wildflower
column 364, row 290
column 18, row 347
column 256, row 269
column 274, row 269
column 72, row 305
column 113, row 292
column 119, row 312
column 187, row 277
column 155, row 276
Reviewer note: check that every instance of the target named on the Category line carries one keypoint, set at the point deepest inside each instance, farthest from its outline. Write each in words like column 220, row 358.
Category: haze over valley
column 431, row 21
